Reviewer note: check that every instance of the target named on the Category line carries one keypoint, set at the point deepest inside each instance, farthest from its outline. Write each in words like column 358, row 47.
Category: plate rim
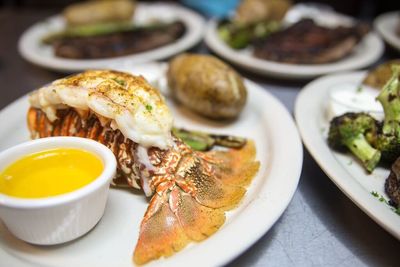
column 324, row 157
column 388, row 36
column 288, row 71
column 264, row 221
column 194, row 23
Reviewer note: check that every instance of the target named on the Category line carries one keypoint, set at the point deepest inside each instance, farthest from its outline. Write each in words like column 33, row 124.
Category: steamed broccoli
column 356, row 132
column 388, row 141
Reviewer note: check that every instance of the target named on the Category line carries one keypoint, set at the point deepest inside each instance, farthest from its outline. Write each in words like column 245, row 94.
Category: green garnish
column 202, row 141
column 149, row 107
column 89, row 30
column 239, row 36
column 382, row 199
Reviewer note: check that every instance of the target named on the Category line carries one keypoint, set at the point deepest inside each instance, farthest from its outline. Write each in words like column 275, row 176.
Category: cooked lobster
column 190, row 190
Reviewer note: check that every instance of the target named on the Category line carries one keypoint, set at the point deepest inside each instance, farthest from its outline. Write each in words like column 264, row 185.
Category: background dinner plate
column 388, row 25
column 31, row 48
column 343, row 169
column 112, row 241
column 365, row 53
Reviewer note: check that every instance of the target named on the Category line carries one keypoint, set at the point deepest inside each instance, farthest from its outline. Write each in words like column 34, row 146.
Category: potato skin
column 207, row 86
column 377, row 77
column 102, row 11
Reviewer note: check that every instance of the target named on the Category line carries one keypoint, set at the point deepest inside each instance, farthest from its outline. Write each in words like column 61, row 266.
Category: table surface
column 321, row 226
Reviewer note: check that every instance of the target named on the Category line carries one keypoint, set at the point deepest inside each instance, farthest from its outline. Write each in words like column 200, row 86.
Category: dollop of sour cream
column 353, row 97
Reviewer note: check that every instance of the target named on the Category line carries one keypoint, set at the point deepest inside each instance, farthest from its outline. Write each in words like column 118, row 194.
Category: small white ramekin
column 61, row 218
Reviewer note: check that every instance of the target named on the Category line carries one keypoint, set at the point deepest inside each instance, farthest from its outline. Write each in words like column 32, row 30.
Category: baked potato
column 102, row 11
column 378, row 77
column 253, row 11
column 207, row 86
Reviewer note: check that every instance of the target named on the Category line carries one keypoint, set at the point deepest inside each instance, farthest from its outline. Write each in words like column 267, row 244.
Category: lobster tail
column 192, row 206
column 191, row 190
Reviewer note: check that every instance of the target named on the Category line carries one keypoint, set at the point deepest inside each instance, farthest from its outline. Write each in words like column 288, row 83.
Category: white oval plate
column 365, row 53
column 388, row 25
column 112, row 241
column 342, row 169
column 32, row 50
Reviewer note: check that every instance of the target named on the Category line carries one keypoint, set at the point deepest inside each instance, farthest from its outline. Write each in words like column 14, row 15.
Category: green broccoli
column 388, row 141
column 356, row 132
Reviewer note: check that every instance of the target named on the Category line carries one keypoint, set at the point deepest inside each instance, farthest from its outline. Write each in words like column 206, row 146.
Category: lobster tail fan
column 193, row 207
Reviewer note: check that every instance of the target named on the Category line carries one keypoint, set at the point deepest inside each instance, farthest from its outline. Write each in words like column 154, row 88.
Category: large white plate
column 342, row 169
column 31, row 49
column 388, row 25
column 112, row 241
column 365, row 53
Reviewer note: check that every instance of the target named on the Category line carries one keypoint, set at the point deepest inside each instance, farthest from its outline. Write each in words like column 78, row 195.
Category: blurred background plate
column 31, row 49
column 364, row 54
column 388, row 26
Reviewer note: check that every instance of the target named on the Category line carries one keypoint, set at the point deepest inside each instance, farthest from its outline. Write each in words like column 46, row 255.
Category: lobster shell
column 88, row 125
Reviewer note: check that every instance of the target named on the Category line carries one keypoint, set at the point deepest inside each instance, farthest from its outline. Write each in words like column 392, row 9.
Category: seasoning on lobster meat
column 190, row 190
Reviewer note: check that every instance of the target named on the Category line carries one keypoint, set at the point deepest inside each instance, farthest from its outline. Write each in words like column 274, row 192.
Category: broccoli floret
column 356, row 132
column 389, row 147
column 388, row 141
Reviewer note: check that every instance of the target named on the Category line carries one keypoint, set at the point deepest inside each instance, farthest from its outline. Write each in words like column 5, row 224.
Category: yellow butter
column 50, row 173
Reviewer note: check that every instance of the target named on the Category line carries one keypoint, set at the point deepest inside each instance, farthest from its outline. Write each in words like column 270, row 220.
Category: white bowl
column 61, row 218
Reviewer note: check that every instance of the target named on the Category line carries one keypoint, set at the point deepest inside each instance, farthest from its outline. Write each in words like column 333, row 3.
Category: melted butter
column 49, row 173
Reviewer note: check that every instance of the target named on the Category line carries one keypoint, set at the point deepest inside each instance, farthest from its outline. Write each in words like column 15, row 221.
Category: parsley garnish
column 149, row 107
column 382, row 199
column 375, row 194
column 359, row 89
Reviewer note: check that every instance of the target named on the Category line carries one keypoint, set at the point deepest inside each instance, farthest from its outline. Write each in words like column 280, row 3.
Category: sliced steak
column 118, row 44
column 307, row 43
column 392, row 184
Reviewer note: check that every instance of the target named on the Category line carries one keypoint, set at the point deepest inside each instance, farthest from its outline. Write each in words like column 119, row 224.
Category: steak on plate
column 119, row 43
column 392, row 184
column 308, row 43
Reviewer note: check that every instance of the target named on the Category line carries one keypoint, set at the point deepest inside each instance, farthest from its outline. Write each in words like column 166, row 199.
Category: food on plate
column 202, row 141
column 207, row 86
column 368, row 139
column 253, row 20
column 305, row 42
column 240, row 36
column 74, row 168
column 378, row 77
column 107, row 41
column 190, row 190
column 372, row 141
column 100, row 11
column 356, row 132
column 353, row 97
column 103, row 29
column 253, row 11
column 392, row 184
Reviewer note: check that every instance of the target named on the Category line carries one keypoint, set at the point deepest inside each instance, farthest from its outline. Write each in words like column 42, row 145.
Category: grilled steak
column 392, row 184
column 307, row 43
column 118, row 44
